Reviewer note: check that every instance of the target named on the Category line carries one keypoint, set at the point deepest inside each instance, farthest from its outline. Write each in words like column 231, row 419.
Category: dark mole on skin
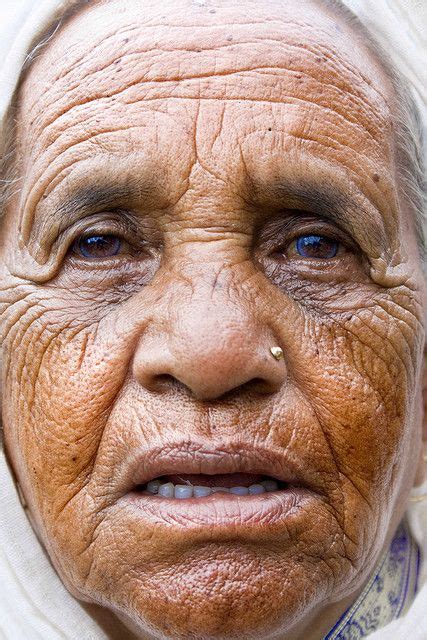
column 375, row 177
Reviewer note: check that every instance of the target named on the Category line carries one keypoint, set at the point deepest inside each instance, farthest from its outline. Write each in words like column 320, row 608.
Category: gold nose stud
column 277, row 353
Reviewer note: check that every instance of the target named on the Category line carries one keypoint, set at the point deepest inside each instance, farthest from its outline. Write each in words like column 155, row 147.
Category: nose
column 211, row 350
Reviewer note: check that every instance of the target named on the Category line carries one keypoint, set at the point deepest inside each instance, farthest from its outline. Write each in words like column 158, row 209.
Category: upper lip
column 141, row 466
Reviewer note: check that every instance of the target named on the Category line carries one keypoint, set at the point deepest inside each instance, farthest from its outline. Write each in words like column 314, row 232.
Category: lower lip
column 223, row 510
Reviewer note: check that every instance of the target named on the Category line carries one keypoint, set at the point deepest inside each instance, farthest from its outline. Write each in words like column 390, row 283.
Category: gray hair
column 407, row 124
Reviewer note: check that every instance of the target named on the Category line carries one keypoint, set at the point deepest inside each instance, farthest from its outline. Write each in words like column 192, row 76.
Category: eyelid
column 85, row 228
column 74, row 248
column 315, row 227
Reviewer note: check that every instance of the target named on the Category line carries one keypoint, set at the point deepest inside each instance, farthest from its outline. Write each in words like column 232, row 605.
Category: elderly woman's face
column 200, row 183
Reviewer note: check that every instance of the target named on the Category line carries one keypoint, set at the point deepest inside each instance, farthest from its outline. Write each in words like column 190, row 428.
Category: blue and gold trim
column 387, row 595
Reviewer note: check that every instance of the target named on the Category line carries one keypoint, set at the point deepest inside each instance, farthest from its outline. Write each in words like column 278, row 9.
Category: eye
column 316, row 247
column 97, row 247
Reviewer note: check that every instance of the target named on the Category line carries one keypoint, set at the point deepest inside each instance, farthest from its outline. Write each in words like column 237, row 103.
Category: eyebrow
column 94, row 197
column 355, row 214
column 84, row 201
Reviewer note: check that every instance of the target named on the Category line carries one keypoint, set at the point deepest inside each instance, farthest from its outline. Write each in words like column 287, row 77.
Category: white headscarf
column 35, row 604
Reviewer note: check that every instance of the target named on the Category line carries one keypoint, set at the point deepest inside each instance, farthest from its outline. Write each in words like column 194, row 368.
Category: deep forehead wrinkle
column 294, row 81
column 185, row 65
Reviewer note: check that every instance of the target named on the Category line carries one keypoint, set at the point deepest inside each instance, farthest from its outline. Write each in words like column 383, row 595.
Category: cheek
column 60, row 385
column 354, row 376
column 359, row 374
column 352, row 410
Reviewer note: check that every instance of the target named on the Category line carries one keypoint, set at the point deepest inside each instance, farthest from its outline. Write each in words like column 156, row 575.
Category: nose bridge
column 215, row 321
column 209, row 297
column 213, row 318
column 211, row 338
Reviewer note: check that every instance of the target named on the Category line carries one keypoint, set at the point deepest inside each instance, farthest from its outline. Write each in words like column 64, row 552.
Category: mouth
column 190, row 485
column 183, row 471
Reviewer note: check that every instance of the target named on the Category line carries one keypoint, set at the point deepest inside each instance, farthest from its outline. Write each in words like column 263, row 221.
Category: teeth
column 254, row 489
column 270, row 485
column 167, row 490
column 240, row 491
column 182, row 491
column 200, row 492
column 153, row 486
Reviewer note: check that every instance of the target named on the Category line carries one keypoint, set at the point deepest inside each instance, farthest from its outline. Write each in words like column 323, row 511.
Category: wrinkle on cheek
column 62, row 387
column 361, row 396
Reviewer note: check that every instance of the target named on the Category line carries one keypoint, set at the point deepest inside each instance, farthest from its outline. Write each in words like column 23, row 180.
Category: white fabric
column 34, row 603
column 413, row 626
column 401, row 27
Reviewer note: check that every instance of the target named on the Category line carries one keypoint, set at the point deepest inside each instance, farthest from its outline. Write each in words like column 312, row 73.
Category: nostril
column 165, row 379
column 165, row 382
column 255, row 386
column 208, row 375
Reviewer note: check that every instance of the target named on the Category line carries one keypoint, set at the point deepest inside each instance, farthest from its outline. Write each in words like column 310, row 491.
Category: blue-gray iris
column 102, row 246
column 317, row 247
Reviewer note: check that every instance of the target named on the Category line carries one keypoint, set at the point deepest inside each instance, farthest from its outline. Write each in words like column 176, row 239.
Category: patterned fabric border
column 387, row 595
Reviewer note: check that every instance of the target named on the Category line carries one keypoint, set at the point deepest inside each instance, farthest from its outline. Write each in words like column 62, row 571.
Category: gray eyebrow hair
column 90, row 199
column 332, row 203
column 93, row 197
column 81, row 203
column 353, row 214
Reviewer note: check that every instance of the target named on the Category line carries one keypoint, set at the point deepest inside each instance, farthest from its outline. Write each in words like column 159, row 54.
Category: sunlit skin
column 173, row 159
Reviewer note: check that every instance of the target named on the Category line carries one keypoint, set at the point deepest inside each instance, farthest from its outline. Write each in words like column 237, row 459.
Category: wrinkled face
column 201, row 183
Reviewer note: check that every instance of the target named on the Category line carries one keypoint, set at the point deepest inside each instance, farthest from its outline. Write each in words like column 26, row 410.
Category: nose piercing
column 277, row 353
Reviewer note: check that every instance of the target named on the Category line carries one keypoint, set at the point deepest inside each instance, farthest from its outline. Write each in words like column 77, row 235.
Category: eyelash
column 77, row 249
column 297, row 230
column 126, row 233
column 127, row 245
column 296, row 242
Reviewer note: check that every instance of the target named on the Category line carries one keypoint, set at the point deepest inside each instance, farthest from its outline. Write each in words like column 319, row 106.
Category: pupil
column 99, row 246
column 317, row 247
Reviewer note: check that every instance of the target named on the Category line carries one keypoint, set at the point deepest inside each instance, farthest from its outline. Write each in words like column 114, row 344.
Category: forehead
column 116, row 46
column 205, row 80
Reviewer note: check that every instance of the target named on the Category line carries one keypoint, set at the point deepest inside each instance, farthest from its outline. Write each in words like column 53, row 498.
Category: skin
column 225, row 141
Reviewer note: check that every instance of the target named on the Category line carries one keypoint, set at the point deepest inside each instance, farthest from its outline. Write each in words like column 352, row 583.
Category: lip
column 191, row 457
column 228, row 516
